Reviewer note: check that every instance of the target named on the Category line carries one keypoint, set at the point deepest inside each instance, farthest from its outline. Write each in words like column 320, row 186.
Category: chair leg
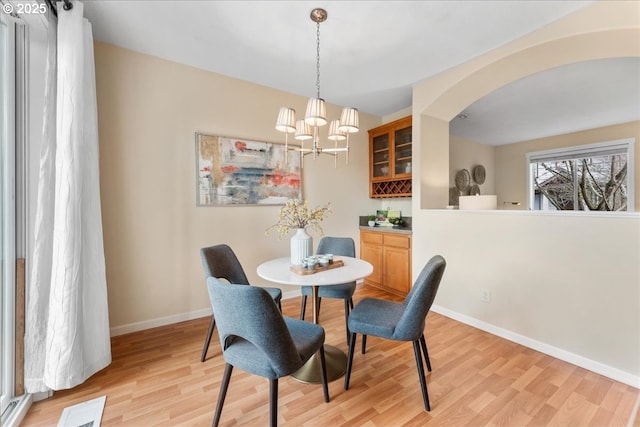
column 280, row 305
column 423, row 381
column 351, row 303
column 323, row 374
column 223, row 393
column 207, row 340
column 364, row 344
column 318, row 308
column 346, row 318
column 273, row 402
column 303, row 307
column 423, row 343
column 352, row 345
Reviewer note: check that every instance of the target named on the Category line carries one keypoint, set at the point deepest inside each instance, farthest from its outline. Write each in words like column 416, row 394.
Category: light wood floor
column 156, row 379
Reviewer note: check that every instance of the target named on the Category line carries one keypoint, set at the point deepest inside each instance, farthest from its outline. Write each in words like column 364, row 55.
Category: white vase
column 301, row 246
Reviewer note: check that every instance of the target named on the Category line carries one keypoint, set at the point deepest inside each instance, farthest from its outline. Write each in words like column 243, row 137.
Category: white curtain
column 67, row 325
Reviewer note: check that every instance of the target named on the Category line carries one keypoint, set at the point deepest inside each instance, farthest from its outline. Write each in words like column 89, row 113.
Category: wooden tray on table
column 299, row 269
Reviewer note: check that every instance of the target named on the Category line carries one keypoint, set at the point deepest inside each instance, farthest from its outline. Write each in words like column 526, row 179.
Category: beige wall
column 149, row 110
column 466, row 154
column 567, row 284
column 512, row 167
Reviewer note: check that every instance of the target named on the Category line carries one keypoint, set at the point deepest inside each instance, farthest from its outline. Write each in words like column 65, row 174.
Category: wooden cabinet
column 390, row 159
column 390, row 255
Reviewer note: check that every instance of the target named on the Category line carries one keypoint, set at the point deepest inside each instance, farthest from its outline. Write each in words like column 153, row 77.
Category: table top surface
column 279, row 271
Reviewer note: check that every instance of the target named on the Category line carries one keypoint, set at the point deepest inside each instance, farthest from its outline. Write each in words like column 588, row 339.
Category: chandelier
column 316, row 116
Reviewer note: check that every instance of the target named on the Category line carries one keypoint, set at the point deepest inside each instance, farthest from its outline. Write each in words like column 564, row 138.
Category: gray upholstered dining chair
column 221, row 262
column 399, row 321
column 256, row 338
column 336, row 246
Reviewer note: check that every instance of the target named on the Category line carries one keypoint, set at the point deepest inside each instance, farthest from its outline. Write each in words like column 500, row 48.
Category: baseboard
column 558, row 353
column 161, row 321
column 291, row 294
column 42, row 395
column 176, row 318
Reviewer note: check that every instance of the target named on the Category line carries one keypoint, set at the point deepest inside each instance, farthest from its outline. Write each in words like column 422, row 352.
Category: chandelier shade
column 335, row 134
column 316, row 115
column 349, row 120
column 286, row 121
column 303, row 131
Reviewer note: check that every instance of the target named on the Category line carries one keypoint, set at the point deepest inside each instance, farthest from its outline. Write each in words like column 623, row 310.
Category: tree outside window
column 585, row 178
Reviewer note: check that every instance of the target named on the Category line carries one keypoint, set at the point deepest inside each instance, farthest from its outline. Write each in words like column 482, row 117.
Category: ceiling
column 373, row 52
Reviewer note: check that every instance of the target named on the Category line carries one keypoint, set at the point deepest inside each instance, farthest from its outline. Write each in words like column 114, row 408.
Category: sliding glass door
column 7, row 208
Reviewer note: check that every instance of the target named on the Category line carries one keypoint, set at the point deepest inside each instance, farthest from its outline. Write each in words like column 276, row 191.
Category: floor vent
column 84, row 414
column 15, row 411
column 10, row 407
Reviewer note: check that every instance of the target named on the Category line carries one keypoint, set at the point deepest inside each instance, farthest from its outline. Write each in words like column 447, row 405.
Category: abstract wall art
column 234, row 171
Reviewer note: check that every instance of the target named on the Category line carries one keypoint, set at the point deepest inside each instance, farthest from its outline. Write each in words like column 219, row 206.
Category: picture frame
column 239, row 172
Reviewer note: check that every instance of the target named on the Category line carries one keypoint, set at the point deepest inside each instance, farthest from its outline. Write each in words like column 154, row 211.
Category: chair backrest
column 220, row 261
column 418, row 302
column 248, row 312
column 337, row 246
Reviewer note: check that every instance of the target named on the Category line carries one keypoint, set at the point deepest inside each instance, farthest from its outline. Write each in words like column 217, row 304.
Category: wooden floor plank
column 156, row 378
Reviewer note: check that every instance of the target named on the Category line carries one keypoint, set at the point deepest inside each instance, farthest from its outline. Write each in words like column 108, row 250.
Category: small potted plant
column 397, row 222
column 371, row 220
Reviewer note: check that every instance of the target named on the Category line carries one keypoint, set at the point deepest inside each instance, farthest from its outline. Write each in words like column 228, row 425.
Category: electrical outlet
column 486, row 296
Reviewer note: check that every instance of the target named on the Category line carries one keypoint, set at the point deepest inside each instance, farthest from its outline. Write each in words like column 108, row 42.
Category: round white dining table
column 354, row 269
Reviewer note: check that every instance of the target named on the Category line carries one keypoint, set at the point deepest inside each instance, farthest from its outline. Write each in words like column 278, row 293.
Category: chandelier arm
column 286, row 148
column 347, row 149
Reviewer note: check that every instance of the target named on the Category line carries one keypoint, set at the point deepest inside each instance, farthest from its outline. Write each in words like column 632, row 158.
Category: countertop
column 399, row 230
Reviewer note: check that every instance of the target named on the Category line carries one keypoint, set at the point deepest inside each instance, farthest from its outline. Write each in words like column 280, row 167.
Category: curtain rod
column 67, row 5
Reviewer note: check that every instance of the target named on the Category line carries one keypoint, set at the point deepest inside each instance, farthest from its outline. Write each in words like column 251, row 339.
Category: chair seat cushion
column 307, row 336
column 344, row 290
column 377, row 317
column 276, row 293
column 242, row 354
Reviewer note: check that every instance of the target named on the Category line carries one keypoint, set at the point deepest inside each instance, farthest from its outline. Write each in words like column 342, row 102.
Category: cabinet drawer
column 397, row 241
column 371, row 237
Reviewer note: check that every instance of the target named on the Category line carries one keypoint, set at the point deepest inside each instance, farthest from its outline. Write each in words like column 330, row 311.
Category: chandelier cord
column 318, row 59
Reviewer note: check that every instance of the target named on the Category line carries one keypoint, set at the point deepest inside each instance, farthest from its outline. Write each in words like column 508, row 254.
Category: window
column 592, row 177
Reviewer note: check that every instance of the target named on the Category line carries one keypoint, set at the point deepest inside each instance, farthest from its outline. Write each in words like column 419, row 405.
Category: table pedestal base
column 335, row 360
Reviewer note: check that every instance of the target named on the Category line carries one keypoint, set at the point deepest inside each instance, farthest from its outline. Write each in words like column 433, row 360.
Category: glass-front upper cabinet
column 402, row 151
column 390, row 154
column 380, row 154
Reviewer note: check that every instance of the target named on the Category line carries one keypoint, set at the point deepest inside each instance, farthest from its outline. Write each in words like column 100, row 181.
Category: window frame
column 618, row 146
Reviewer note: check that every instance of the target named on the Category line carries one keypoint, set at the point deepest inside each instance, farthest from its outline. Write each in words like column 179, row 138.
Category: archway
column 583, row 36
